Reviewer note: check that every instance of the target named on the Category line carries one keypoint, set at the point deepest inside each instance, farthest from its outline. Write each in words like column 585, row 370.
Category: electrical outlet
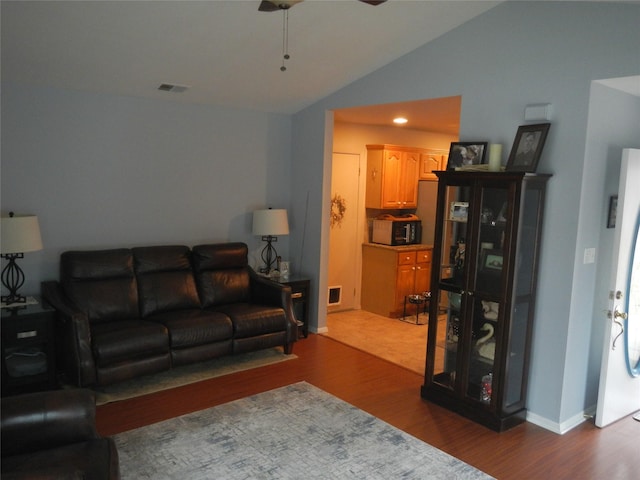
column 589, row 255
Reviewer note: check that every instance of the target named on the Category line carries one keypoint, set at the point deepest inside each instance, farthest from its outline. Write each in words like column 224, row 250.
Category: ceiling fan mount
column 284, row 6
column 275, row 5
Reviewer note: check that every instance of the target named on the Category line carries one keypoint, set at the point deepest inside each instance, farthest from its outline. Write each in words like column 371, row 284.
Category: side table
column 300, row 287
column 28, row 349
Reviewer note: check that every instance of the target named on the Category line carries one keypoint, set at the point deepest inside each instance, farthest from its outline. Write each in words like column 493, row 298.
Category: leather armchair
column 53, row 435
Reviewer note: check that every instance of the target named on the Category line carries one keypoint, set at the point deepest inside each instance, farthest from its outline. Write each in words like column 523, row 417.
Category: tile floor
column 398, row 341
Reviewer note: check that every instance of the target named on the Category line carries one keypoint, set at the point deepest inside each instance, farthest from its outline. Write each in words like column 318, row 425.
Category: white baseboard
column 563, row 427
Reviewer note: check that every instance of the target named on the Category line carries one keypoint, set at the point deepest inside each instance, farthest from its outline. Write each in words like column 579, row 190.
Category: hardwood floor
column 392, row 393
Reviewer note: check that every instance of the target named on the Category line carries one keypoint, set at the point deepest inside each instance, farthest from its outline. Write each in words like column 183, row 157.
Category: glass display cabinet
column 487, row 237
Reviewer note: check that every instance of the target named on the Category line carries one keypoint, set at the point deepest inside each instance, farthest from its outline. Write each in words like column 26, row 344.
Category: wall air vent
column 335, row 295
column 170, row 87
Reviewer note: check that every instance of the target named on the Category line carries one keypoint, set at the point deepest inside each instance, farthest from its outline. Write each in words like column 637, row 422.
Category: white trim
column 564, row 427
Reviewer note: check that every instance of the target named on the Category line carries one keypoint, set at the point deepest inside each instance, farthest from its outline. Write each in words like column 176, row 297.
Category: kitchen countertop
column 400, row 248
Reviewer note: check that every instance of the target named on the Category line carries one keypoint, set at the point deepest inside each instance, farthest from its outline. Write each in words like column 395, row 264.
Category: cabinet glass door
column 449, row 337
column 485, row 290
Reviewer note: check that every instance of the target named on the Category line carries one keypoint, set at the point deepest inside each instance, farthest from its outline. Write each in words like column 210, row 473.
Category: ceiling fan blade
column 373, row 2
column 274, row 5
column 268, row 6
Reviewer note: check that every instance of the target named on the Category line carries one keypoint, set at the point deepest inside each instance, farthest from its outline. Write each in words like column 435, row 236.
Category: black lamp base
column 269, row 254
column 9, row 300
column 12, row 279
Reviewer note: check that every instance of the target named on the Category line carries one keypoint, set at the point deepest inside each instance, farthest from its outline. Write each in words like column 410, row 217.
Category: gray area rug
column 187, row 374
column 294, row 432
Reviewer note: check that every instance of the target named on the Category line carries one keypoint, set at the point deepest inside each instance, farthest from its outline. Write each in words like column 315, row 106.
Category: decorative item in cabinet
column 488, row 230
column 392, row 177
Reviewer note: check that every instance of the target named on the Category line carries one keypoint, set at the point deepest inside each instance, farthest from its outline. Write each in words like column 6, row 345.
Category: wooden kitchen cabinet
column 391, row 273
column 432, row 161
column 392, row 177
column 423, row 271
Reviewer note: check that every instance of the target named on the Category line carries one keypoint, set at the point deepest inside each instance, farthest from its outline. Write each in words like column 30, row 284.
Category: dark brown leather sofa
column 49, row 435
column 129, row 312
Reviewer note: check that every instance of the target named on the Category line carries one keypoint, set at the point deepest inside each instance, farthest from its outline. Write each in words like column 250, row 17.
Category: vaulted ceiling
column 227, row 52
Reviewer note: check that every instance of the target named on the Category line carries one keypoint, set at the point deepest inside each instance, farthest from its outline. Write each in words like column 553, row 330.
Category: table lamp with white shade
column 268, row 224
column 19, row 234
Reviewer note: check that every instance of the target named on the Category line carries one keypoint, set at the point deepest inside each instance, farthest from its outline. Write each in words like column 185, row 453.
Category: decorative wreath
column 338, row 207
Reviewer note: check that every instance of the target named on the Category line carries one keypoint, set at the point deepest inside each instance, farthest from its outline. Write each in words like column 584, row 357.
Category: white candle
column 495, row 157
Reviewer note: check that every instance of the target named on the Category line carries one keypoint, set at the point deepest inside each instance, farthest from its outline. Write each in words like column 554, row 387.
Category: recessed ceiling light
column 400, row 120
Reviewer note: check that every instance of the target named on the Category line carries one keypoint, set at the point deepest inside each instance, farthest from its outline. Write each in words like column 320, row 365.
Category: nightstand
column 300, row 297
column 28, row 350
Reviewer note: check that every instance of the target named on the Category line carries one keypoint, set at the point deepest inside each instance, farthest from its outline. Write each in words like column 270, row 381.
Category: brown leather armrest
column 268, row 292
column 43, row 420
column 75, row 336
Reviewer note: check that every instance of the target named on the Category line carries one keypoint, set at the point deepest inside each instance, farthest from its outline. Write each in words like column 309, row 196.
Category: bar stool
column 417, row 299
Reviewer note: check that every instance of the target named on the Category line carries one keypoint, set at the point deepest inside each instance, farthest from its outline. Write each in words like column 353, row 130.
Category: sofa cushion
column 189, row 328
column 221, row 272
column 165, row 279
column 250, row 319
column 101, row 283
column 116, row 342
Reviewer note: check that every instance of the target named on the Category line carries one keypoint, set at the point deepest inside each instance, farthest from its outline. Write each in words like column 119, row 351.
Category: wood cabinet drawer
column 423, row 256
column 27, row 332
column 406, row 258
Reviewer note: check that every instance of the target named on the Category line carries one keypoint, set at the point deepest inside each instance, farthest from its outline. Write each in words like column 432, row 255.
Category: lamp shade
column 20, row 234
column 270, row 222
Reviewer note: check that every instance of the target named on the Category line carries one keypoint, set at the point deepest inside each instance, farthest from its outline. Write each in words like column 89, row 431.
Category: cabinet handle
column 29, row 334
column 296, row 295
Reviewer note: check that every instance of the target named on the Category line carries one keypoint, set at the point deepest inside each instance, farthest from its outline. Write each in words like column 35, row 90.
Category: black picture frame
column 458, row 211
column 613, row 210
column 527, row 147
column 463, row 154
column 492, row 261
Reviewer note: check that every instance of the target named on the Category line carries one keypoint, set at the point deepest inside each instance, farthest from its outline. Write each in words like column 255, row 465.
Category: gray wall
column 515, row 54
column 107, row 171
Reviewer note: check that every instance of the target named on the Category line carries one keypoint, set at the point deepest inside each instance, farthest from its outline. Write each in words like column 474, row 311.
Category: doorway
column 354, row 129
column 344, row 269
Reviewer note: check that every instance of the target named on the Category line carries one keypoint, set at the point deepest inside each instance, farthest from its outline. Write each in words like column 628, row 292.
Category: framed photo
column 458, row 211
column 491, row 261
column 466, row 153
column 527, row 147
column 613, row 210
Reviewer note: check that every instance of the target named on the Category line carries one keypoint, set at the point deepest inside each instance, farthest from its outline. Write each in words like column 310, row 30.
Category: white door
column 619, row 392
column 343, row 238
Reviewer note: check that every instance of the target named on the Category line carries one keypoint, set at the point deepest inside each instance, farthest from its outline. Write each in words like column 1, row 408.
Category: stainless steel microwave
column 397, row 232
